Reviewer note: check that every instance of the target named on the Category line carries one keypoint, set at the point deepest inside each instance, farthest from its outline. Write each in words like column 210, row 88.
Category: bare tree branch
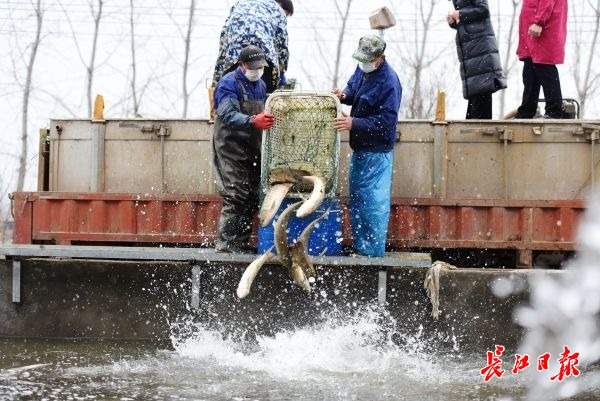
column 509, row 58
column 418, row 59
column 176, row 24
column 586, row 79
column 91, row 65
column 338, row 53
column 323, row 52
column 58, row 100
column 187, row 39
column 77, row 47
column 329, row 68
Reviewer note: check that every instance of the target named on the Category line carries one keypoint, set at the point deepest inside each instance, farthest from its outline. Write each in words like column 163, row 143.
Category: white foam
column 357, row 344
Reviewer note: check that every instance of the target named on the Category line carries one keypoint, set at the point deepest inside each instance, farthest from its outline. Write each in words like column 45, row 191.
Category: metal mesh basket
column 302, row 137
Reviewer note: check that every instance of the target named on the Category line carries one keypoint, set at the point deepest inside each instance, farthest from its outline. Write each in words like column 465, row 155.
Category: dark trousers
column 235, row 224
column 268, row 78
column 480, row 107
column 236, row 159
column 536, row 76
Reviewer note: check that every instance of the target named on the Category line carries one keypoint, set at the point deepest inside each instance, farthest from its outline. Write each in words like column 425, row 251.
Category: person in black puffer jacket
column 480, row 66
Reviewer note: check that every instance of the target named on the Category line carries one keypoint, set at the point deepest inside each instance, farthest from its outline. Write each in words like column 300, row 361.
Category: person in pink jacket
column 542, row 37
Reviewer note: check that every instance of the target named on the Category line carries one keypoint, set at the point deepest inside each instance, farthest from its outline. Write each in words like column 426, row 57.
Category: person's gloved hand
column 263, row 120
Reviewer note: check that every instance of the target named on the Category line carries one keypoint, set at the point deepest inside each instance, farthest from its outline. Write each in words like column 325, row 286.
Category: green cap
column 369, row 48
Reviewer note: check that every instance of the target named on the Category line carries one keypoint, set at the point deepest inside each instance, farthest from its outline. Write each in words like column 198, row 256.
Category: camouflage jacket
column 260, row 23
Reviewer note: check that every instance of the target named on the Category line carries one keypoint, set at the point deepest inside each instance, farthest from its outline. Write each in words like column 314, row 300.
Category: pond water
column 359, row 353
column 353, row 357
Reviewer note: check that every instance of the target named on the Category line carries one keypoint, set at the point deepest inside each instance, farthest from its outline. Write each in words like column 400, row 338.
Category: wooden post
column 211, row 103
column 43, row 161
column 524, row 258
column 98, row 115
column 97, row 156
column 440, row 107
column 440, row 148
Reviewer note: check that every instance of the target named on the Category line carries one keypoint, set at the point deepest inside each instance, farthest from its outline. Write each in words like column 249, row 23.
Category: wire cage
column 302, row 137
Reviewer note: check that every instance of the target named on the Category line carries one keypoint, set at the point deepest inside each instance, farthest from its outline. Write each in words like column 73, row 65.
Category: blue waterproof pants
column 370, row 192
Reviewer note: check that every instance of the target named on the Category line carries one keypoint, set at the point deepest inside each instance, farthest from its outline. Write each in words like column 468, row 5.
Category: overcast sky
column 59, row 74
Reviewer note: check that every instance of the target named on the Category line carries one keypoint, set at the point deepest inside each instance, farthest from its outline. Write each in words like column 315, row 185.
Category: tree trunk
column 188, row 39
column 134, row 97
column 26, row 93
column 91, row 65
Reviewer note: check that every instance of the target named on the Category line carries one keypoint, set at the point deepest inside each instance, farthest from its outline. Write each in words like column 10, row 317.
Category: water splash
column 565, row 310
column 362, row 343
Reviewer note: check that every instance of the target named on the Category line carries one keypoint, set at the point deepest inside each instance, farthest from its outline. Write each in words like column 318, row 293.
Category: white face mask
column 254, row 75
column 367, row 67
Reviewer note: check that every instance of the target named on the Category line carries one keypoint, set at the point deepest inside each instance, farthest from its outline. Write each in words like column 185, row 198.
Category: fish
column 279, row 175
column 282, row 246
column 243, row 289
column 20, row 369
column 316, row 197
column 299, row 250
column 280, row 234
column 270, row 205
column 299, row 277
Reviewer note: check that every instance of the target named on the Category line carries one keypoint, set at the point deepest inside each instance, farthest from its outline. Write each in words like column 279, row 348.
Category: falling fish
column 12, row 371
column 275, row 195
column 250, row 273
column 280, row 233
column 293, row 257
column 282, row 246
column 316, row 197
column 299, row 250
column 299, row 277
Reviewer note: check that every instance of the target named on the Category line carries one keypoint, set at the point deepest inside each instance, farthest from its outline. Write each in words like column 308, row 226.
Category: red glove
column 263, row 120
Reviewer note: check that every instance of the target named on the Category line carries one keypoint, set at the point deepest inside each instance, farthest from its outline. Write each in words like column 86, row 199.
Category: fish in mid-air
column 250, row 273
column 299, row 250
column 316, row 196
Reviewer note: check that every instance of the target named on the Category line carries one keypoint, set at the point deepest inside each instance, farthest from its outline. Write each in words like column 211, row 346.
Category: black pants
column 480, row 107
column 236, row 159
column 536, row 76
column 268, row 78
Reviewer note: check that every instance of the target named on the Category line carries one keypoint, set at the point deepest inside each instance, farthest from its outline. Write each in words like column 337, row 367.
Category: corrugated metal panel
column 494, row 224
column 64, row 218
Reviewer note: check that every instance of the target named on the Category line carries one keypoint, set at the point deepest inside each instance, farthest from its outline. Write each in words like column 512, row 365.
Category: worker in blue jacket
column 240, row 118
column 375, row 92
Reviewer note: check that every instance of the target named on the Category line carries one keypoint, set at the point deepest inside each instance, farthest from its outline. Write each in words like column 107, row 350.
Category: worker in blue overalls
column 374, row 92
column 240, row 118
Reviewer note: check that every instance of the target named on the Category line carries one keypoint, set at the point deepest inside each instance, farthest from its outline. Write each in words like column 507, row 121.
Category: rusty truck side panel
column 523, row 226
column 518, row 184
